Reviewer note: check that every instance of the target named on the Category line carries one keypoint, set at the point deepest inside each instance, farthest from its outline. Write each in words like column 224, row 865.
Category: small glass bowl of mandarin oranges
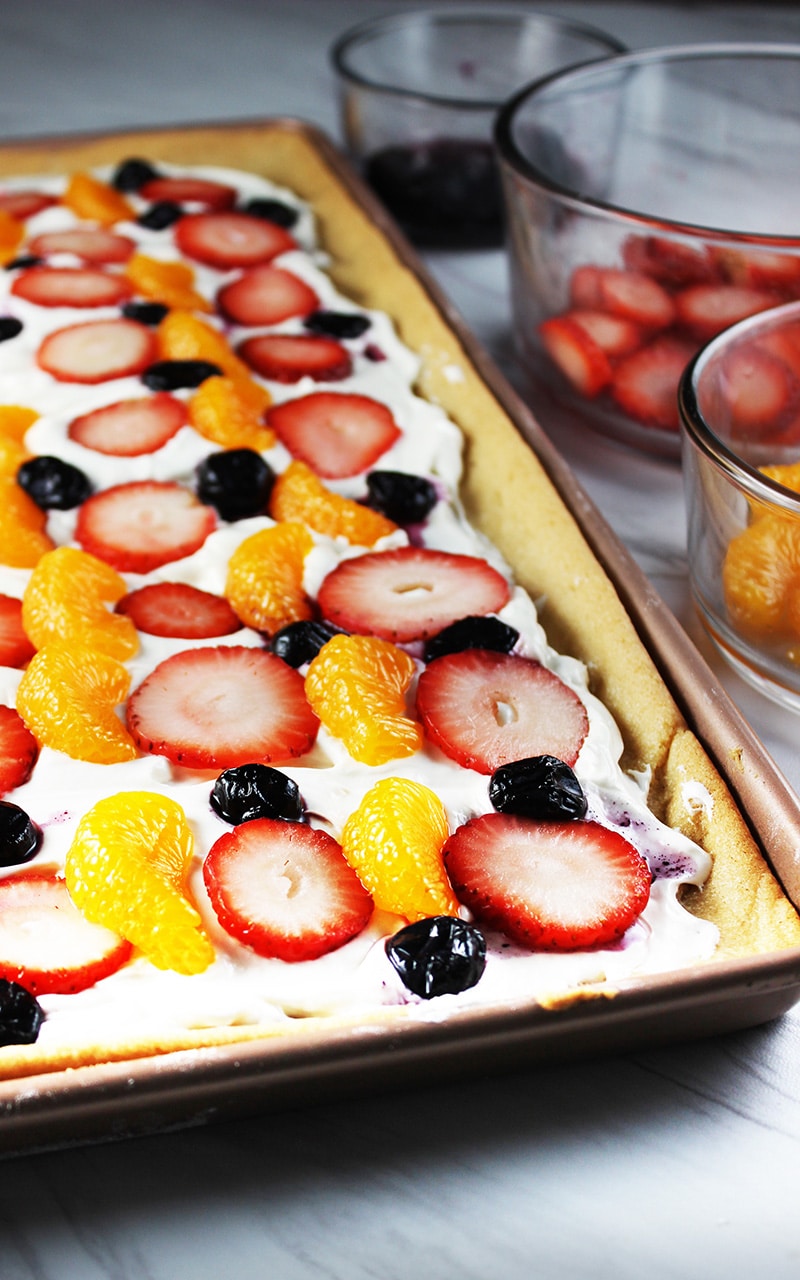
column 739, row 401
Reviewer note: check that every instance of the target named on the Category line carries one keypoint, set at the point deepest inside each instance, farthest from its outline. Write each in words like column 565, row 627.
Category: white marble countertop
column 673, row 1164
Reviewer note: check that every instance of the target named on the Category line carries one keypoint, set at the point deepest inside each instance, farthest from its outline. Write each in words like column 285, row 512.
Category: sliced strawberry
column 616, row 335
column 140, row 526
column 98, row 351
column 337, row 434
column 673, row 262
column 551, row 886
column 46, row 944
column 706, row 309
column 221, row 707
column 285, row 889
column 762, row 269
column 584, row 287
column 581, row 360
column 178, row 610
column 71, row 287
column 25, row 204
column 92, row 244
column 485, row 709
column 645, row 384
column 15, row 647
column 18, row 750
column 409, row 593
column 756, row 389
column 285, row 357
column 636, row 296
column 129, row 428
column 202, row 191
column 266, row 295
column 231, row 239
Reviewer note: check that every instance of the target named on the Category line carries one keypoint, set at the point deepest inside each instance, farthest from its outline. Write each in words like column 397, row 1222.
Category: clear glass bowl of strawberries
column 651, row 203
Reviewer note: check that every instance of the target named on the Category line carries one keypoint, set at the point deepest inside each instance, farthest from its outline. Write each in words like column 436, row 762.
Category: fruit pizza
column 281, row 732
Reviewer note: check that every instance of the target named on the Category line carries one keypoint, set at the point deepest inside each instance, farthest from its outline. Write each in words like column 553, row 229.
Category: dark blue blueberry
column 53, row 484
column 170, row 375
column 21, row 1014
column 255, row 790
column 132, row 174
column 402, row 496
column 438, row 956
column 541, row 787
column 160, row 215
column 149, row 313
column 299, row 642
column 283, row 215
column 19, row 837
column 10, row 326
column 337, row 324
column 236, row 482
column 24, row 260
column 472, row 633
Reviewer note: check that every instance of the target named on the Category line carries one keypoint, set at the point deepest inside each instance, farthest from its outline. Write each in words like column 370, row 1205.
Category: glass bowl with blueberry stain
column 419, row 92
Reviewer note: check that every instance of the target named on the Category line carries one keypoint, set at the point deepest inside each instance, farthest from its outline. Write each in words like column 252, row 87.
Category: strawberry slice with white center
column 707, row 309
column 140, row 526
column 616, row 335
column 71, row 287
column 129, row 428
column 46, row 944
column 574, row 350
column 635, row 296
column 485, row 709
column 673, row 262
column 18, row 750
column 285, row 889
column 645, row 383
column 286, row 357
column 202, row 191
column 266, row 295
column 220, row 707
column 550, row 886
column 226, row 240
column 98, row 351
column 756, row 390
column 178, row 610
column 335, row 433
column 25, row 204
column 15, row 647
column 409, row 593
column 91, row 244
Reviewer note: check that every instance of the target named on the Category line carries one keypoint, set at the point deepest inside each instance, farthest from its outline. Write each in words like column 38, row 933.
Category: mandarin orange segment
column 67, row 599
column 357, row 686
column 15, row 419
column 230, row 412
column 11, row 234
column 127, row 869
column 96, row 201
column 68, row 698
column 394, row 842
column 23, row 540
column 12, row 456
column 299, row 494
column 184, row 336
column 265, row 577
column 171, row 283
column 760, row 573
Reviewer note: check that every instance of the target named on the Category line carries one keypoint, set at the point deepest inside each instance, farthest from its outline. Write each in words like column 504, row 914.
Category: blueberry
column 170, row 375
column 541, row 787
column 337, row 324
column 403, row 497
column 53, row 484
column 299, row 642
column 162, row 214
column 21, row 1015
column 283, row 215
column 438, row 956
column 132, row 174
column 19, row 837
column 10, row 326
column 472, row 633
column 256, row 791
column 149, row 313
column 24, row 260
column 236, row 482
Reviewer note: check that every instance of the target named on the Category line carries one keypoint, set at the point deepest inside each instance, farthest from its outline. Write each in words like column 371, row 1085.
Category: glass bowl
column 419, row 91
column 651, row 202
column 739, row 401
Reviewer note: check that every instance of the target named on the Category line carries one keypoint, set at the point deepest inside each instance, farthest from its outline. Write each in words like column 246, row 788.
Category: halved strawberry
column 550, row 886
column 15, row 647
column 18, row 750
column 140, row 526
column 706, row 309
column 71, row 287
column 645, row 384
column 98, row 351
column 129, row 428
column 25, row 204
column 409, row 593
column 485, row 709
column 285, row 889
column 231, row 239
column 636, row 296
column 92, row 244
column 266, row 295
column 287, row 357
column 616, row 335
column 581, row 360
column 336, row 433
column 46, row 944
column 178, row 610
column 221, row 707
column 202, row 191
column 756, row 390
